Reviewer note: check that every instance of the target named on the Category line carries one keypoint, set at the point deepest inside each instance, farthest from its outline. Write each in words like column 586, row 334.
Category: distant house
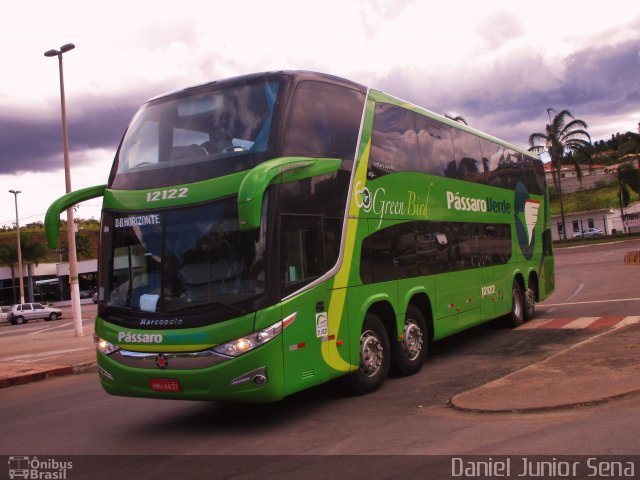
column 606, row 219
column 597, row 174
column 592, row 176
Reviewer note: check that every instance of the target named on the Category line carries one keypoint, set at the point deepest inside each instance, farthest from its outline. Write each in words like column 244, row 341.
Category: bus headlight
column 242, row 345
column 103, row 346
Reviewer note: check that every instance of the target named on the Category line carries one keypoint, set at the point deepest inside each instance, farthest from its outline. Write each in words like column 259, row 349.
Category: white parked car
column 4, row 314
column 589, row 232
column 23, row 312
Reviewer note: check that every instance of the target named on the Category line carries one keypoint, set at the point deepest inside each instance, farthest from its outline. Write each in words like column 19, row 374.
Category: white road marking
column 544, row 305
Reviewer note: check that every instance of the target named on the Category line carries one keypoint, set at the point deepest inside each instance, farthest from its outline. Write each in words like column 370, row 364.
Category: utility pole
column 71, row 234
column 15, row 194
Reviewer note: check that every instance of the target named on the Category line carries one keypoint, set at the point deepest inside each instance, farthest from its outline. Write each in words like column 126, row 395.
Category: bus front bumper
column 256, row 376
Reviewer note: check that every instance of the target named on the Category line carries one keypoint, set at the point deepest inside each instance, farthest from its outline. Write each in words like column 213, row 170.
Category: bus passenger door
column 307, row 250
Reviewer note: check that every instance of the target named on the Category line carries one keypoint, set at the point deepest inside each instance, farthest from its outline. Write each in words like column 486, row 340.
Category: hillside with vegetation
column 34, row 245
column 619, row 149
column 614, row 150
column 595, row 199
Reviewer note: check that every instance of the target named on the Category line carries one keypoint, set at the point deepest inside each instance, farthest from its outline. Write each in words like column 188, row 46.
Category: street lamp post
column 71, row 236
column 15, row 194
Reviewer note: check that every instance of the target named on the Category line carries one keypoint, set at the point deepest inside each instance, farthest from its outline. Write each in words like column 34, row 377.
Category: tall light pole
column 15, row 194
column 71, row 234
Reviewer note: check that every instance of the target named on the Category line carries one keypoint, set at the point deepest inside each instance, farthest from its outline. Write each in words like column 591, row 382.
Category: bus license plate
column 171, row 385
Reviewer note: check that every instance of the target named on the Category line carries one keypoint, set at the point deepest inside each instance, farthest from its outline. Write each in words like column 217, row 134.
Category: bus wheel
column 409, row 354
column 529, row 302
column 374, row 357
column 517, row 305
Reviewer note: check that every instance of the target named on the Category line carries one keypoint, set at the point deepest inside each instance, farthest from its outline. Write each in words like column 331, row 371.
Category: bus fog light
column 104, row 374
column 258, row 377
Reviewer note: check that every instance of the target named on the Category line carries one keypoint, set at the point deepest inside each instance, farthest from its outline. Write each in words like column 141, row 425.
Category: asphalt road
column 594, row 281
column 73, row 416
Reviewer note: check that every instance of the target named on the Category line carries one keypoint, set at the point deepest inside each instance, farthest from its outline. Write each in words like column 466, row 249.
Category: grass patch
column 586, row 200
column 572, row 242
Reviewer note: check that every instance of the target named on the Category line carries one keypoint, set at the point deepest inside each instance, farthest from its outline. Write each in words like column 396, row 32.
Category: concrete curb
column 546, row 408
column 566, row 379
column 44, row 374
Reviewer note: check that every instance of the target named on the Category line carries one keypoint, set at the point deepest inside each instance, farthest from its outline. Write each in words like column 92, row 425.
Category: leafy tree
column 83, row 247
column 32, row 253
column 566, row 140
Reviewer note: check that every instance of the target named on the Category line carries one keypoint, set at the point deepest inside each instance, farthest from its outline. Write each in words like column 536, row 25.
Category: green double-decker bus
column 267, row 233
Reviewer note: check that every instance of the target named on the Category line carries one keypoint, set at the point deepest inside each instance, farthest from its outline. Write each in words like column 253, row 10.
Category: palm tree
column 9, row 258
column 628, row 178
column 457, row 118
column 32, row 252
column 562, row 139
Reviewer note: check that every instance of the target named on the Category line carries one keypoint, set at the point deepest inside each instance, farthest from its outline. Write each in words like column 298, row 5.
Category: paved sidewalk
column 599, row 369
column 42, row 354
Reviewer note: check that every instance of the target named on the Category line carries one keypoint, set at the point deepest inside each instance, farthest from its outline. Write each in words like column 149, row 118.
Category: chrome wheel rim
column 412, row 343
column 530, row 301
column 371, row 353
column 517, row 304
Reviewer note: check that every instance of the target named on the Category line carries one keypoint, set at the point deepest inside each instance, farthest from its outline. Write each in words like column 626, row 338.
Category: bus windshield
column 179, row 259
column 199, row 134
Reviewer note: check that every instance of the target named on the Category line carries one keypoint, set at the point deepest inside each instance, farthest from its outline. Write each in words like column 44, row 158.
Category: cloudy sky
column 500, row 64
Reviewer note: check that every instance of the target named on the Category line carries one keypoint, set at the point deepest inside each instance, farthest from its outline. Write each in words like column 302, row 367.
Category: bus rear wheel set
column 523, row 304
column 377, row 353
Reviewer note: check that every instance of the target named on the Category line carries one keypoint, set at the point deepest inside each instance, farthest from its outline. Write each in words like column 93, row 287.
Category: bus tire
column 517, row 305
column 375, row 357
column 529, row 302
column 409, row 354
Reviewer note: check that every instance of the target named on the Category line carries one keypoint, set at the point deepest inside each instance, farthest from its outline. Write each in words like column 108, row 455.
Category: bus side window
column 534, row 176
column 436, row 145
column 394, row 142
column 468, row 159
column 311, row 213
column 302, row 251
column 324, row 121
column 492, row 155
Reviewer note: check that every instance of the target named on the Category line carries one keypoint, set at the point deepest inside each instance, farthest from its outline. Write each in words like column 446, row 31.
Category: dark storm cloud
column 32, row 141
column 604, row 78
column 510, row 99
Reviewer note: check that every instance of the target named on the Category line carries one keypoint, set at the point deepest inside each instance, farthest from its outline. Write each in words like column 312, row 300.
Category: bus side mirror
column 289, row 169
column 52, row 218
